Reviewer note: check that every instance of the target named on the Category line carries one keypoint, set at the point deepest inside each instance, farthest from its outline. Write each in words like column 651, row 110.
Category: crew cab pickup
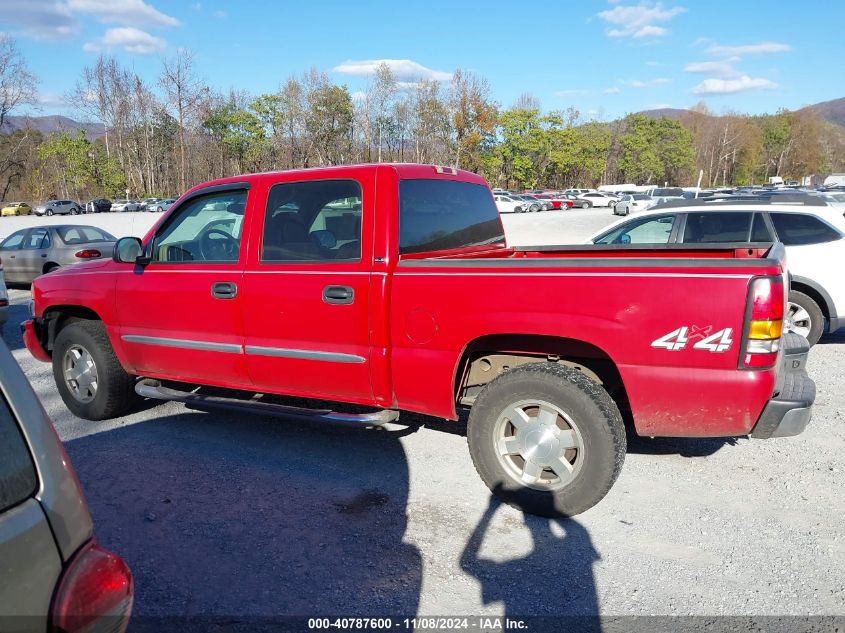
column 392, row 287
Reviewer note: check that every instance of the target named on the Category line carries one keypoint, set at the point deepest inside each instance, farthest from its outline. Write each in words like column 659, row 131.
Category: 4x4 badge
column 676, row 340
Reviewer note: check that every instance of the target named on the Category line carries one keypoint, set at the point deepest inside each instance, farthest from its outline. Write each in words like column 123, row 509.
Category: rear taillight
column 89, row 253
column 94, row 594
column 764, row 323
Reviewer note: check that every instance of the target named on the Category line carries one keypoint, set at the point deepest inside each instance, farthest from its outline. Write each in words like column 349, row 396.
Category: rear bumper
column 32, row 340
column 789, row 412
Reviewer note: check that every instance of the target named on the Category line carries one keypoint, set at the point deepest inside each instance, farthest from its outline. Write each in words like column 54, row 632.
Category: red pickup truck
column 391, row 287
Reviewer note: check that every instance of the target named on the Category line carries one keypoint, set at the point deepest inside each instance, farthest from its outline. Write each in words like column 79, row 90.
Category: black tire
column 594, row 414
column 49, row 268
column 115, row 393
column 585, row 205
column 813, row 310
column 48, row 212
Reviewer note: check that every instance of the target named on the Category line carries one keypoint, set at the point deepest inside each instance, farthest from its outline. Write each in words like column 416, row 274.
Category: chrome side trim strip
column 229, row 348
column 304, row 354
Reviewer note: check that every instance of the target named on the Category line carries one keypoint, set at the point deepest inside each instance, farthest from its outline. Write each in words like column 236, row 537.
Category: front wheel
column 804, row 317
column 546, row 439
column 48, row 212
column 88, row 375
column 585, row 205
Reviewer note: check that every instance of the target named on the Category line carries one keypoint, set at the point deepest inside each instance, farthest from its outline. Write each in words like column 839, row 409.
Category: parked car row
column 95, row 205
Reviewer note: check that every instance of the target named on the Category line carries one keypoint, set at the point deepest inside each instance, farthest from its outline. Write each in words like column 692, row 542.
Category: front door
column 180, row 315
column 307, row 287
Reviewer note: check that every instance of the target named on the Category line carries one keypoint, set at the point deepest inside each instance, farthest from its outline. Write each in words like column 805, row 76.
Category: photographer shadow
column 555, row 579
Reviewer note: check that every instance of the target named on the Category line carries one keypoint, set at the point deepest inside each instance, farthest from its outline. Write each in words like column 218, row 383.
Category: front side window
column 446, row 214
column 204, row 230
column 652, row 230
column 313, row 221
column 14, row 241
column 798, row 228
column 717, row 227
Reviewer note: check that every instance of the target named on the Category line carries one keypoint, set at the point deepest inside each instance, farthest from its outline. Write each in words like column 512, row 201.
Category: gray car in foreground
column 31, row 252
column 53, row 574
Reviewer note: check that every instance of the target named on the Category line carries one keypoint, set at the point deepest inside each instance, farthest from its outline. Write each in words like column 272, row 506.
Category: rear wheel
column 585, row 205
column 804, row 317
column 88, row 375
column 546, row 439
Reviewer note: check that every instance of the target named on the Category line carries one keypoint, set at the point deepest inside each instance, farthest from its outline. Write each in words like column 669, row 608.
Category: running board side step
column 150, row 388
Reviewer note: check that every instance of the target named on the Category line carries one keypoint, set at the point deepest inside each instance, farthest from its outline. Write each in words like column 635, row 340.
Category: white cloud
column 611, row 91
column 359, row 96
column 135, row 12
column 571, row 91
column 640, row 20
column 40, row 19
column 128, row 38
column 659, row 81
column 763, row 48
column 404, row 70
column 723, row 69
column 732, row 86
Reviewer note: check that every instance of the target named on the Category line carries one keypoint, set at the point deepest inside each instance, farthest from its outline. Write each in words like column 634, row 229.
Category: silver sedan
column 28, row 253
column 57, row 207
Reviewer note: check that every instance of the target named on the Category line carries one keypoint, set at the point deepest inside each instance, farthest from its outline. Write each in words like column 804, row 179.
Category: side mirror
column 127, row 250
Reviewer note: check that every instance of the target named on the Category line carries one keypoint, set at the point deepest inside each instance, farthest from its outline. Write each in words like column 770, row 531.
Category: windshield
column 445, row 214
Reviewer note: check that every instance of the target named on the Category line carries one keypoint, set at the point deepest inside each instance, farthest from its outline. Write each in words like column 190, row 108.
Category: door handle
column 43, row 254
column 224, row 290
column 340, row 295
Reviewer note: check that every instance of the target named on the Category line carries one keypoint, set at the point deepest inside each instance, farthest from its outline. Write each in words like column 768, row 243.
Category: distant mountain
column 669, row 113
column 51, row 124
column 833, row 111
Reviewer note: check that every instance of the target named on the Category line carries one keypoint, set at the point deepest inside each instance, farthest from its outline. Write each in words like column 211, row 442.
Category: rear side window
column 83, row 234
column 798, row 228
column 313, row 221
column 445, row 214
column 715, row 227
column 17, row 472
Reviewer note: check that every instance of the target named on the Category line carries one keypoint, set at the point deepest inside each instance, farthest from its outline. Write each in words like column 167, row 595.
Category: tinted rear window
column 797, row 228
column 17, row 473
column 444, row 214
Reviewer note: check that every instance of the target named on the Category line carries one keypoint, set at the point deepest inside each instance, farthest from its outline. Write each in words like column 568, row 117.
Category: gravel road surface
column 239, row 515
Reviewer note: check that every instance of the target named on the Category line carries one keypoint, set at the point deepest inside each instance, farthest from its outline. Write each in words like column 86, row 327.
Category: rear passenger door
column 813, row 250
column 307, row 288
column 33, row 253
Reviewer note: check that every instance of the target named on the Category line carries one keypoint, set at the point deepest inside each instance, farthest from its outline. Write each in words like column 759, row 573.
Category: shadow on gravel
column 556, row 578
column 837, row 338
column 683, row 446
column 11, row 329
column 241, row 516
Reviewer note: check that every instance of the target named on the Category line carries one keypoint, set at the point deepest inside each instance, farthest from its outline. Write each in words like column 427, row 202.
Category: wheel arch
column 817, row 293
column 57, row 317
column 586, row 357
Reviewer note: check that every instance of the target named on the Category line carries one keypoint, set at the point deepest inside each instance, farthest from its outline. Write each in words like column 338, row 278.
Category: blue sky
column 604, row 58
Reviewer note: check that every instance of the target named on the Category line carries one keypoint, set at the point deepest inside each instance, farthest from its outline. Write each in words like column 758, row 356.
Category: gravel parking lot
column 237, row 515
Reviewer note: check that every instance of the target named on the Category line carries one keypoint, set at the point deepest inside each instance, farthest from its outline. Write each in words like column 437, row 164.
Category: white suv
column 812, row 232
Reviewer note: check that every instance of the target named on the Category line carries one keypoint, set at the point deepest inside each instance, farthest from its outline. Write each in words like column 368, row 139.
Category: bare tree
column 17, row 84
column 183, row 90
